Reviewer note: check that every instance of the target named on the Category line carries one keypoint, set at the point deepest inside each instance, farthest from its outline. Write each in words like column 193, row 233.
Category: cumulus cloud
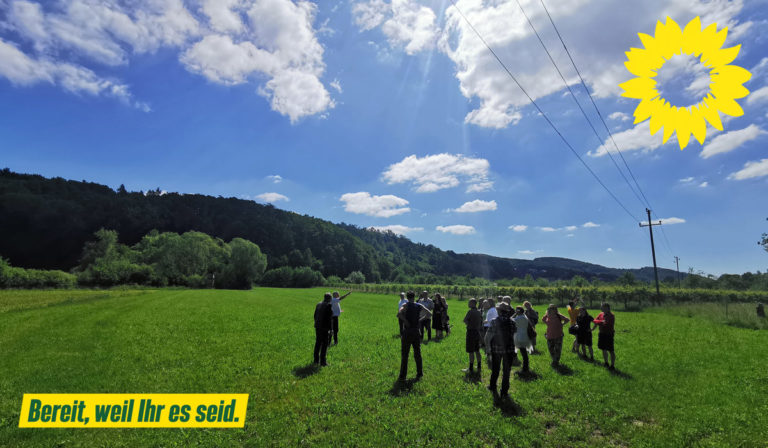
column 518, row 228
column 476, row 206
column 479, row 187
column 619, row 116
column 751, row 169
column 363, row 203
column 496, row 100
column 703, row 184
column 456, row 229
column 590, row 224
column 637, row 138
column 672, row 220
column 686, row 180
column 731, row 140
column 548, row 229
column 609, row 250
column 405, row 23
column 570, row 228
column 397, row 229
column 226, row 41
column 276, row 178
column 272, row 197
column 759, row 96
column 528, row 252
column 436, row 172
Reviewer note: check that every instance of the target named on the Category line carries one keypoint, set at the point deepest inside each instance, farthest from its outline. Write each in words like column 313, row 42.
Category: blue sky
column 382, row 113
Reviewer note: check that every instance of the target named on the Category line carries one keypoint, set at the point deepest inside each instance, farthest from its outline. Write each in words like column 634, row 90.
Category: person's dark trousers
column 426, row 327
column 409, row 340
column 334, row 330
column 524, row 353
column 321, row 345
column 401, row 326
column 499, row 361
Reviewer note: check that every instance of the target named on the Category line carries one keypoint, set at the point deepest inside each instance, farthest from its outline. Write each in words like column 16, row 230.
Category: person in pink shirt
column 555, row 322
column 605, row 321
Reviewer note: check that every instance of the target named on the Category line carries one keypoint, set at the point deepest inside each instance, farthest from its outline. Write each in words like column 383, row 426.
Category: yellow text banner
column 133, row 410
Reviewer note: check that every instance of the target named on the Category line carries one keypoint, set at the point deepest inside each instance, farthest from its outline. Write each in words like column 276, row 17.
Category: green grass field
column 681, row 382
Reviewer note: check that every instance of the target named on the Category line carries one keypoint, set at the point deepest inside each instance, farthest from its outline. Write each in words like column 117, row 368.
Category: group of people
column 493, row 325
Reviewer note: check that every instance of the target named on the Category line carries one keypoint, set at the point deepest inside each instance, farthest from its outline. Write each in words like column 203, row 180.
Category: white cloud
column 570, row 235
column 548, row 229
column 336, row 85
column 363, row 203
column 703, row 184
column 496, row 99
column 228, row 42
column 276, row 178
column 570, row 228
column 750, row 170
column 609, row 250
column 589, row 224
column 479, row 187
column 529, row 252
column 476, row 206
column 687, row 180
column 619, row 116
column 637, row 138
column 456, row 229
column 519, row 228
column 436, row 172
column 23, row 70
column 272, row 197
column 669, row 221
column 759, row 96
column 397, row 229
column 731, row 140
column 405, row 23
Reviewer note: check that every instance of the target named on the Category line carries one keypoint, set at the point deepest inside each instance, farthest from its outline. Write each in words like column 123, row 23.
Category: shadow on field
column 473, row 377
column 562, row 369
column 305, row 371
column 507, row 406
column 527, row 376
column 400, row 388
column 620, row 374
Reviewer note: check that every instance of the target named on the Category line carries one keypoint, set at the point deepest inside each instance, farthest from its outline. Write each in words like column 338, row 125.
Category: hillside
column 45, row 223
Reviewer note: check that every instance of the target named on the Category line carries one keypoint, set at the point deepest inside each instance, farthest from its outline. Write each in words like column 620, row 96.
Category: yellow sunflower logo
column 725, row 80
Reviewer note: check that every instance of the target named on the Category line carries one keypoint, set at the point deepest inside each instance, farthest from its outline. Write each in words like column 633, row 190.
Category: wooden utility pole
column 677, row 263
column 653, row 250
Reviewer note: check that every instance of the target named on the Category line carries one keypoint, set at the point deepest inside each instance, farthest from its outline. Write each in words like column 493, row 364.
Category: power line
column 543, row 114
column 575, row 100
column 600, row 115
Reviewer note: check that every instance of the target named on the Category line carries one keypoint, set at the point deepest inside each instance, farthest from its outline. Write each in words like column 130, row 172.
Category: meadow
column 681, row 381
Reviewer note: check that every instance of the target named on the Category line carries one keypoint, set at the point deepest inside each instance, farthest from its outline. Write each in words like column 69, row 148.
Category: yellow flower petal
column 698, row 125
column 692, row 37
column 683, row 126
column 728, row 106
column 721, row 57
column 709, row 111
column 639, row 88
column 733, row 74
column 721, row 88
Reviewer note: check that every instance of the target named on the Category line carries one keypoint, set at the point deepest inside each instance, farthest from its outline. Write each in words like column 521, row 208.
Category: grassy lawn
column 681, row 382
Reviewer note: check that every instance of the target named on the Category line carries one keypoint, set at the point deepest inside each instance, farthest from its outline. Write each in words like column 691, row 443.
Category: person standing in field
column 446, row 319
column 490, row 314
column 522, row 340
column 400, row 304
column 555, row 322
column 426, row 318
column 336, row 313
column 606, row 321
column 474, row 322
column 437, row 316
column 500, row 339
column 323, row 323
column 533, row 320
column 573, row 314
column 410, row 314
column 584, row 332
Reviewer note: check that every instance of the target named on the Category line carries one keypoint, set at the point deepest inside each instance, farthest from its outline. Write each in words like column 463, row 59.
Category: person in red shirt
column 605, row 321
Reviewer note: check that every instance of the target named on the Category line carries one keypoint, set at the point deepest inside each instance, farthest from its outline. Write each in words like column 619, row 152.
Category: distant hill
column 44, row 224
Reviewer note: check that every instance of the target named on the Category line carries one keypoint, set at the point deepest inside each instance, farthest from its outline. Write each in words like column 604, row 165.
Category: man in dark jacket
column 323, row 322
column 410, row 314
column 500, row 340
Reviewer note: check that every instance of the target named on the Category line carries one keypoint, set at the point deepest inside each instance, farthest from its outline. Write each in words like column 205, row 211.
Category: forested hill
column 44, row 224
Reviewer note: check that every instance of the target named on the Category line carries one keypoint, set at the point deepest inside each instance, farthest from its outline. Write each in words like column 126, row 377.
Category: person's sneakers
column 468, row 370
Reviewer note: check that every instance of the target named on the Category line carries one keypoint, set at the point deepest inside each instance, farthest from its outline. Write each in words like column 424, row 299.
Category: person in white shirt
column 403, row 301
column 336, row 313
column 491, row 314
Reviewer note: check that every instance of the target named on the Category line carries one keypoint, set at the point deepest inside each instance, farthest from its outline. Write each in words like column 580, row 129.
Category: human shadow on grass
column 562, row 369
column 402, row 387
column 507, row 406
column 306, row 371
column 473, row 377
column 527, row 376
column 620, row 374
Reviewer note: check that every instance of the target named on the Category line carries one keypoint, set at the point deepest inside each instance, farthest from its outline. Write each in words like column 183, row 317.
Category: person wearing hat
column 410, row 314
column 426, row 318
column 500, row 340
column 323, row 323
